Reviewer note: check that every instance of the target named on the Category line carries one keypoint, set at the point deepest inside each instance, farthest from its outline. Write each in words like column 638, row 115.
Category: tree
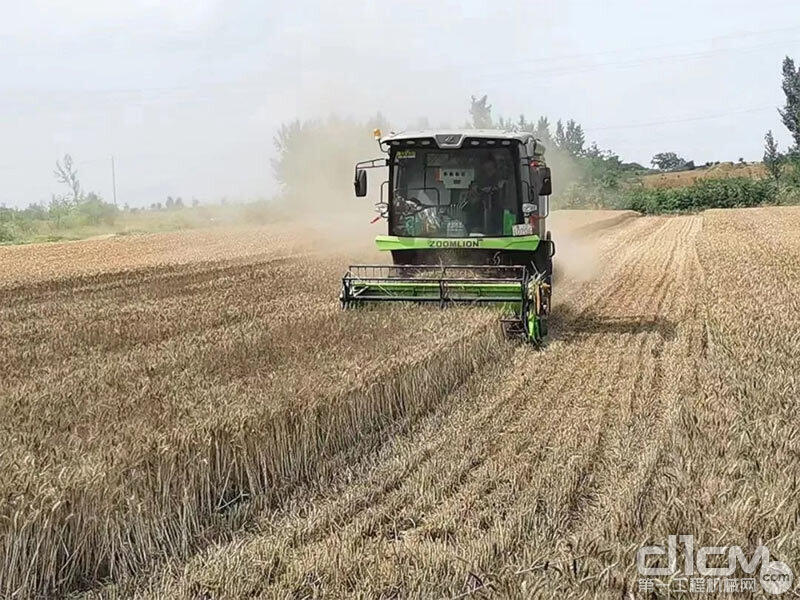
column 574, row 138
column 178, row 202
column 169, row 203
column 670, row 161
column 66, row 173
column 569, row 138
column 481, row 112
column 790, row 114
column 521, row 124
column 772, row 157
column 58, row 208
column 542, row 130
column 601, row 166
column 94, row 210
column 560, row 138
column 593, row 151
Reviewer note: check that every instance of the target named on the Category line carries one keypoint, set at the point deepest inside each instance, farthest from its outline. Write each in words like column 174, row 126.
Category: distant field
column 684, row 178
column 191, row 415
column 17, row 228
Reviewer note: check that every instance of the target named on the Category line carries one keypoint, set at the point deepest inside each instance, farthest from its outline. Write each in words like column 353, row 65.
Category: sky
column 187, row 95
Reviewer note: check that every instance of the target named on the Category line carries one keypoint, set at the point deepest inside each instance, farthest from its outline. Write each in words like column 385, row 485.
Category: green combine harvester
column 467, row 217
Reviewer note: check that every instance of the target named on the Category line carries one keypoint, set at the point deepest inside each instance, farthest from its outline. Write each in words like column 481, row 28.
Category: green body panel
column 461, row 290
column 533, row 327
column 394, row 242
column 506, row 296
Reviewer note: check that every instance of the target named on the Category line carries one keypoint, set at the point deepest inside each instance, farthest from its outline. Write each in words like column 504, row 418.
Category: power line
column 658, row 46
column 635, row 62
column 259, row 87
column 667, row 121
column 684, row 119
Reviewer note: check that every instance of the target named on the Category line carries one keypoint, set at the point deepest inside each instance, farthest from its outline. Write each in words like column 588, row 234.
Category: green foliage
column 790, row 114
column 790, row 170
column 733, row 192
column 594, row 180
column 602, row 167
column 568, row 138
column 92, row 210
column 573, row 139
column 772, row 158
column 61, row 219
column 6, row 234
column 560, row 138
column 670, row 161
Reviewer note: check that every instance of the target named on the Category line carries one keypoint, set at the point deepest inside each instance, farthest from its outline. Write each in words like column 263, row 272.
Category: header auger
column 466, row 214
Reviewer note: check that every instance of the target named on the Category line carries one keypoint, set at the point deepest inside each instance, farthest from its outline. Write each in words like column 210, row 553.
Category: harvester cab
column 467, row 224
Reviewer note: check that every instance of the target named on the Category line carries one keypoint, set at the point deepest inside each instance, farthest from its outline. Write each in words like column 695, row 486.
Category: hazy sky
column 187, row 94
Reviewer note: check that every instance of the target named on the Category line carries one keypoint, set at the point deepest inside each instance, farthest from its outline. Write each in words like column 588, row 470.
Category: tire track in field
column 655, row 355
column 587, row 549
column 638, row 361
column 608, row 368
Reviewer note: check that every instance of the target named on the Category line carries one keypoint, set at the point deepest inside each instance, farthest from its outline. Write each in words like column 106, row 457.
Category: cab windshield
column 453, row 193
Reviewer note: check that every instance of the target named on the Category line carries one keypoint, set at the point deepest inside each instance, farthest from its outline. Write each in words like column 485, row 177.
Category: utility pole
column 114, row 180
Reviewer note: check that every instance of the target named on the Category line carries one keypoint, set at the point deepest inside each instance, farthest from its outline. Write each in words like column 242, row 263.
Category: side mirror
column 360, row 183
column 547, row 184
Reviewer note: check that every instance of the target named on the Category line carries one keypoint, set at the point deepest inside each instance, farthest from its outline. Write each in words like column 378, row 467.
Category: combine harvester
column 467, row 217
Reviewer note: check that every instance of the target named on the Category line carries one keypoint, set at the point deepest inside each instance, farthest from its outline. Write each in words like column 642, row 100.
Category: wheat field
column 191, row 415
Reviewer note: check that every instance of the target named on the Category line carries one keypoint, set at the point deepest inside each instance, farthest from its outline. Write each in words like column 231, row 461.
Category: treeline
column 779, row 184
column 587, row 177
column 71, row 210
column 731, row 192
column 315, row 158
column 76, row 213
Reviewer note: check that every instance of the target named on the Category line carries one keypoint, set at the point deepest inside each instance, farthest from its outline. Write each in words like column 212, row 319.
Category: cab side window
column 526, row 172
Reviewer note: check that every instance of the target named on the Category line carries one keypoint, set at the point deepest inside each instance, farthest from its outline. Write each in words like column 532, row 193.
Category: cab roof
column 454, row 138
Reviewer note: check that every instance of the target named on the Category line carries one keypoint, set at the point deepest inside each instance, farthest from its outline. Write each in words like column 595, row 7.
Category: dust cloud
column 576, row 256
column 578, row 235
column 315, row 166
